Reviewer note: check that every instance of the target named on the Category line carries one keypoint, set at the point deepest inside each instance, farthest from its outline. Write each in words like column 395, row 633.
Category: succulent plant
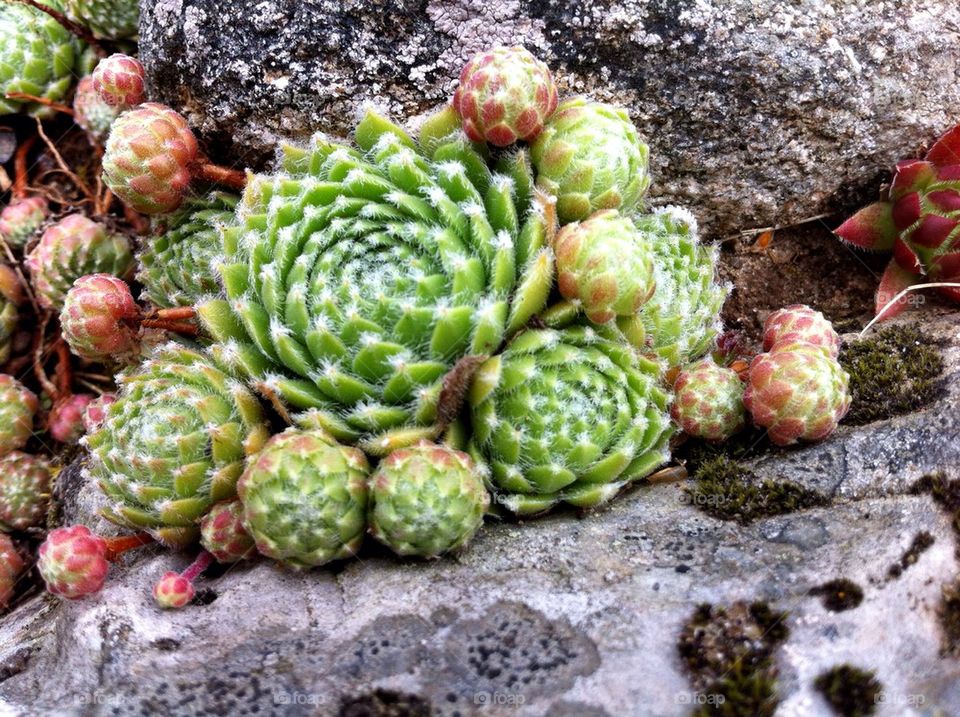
column 708, row 401
column 604, row 263
column 73, row 562
column 74, row 247
column 148, row 158
column 96, row 412
column 99, row 319
column 90, row 112
column 107, row 19
column 18, row 406
column 356, row 280
column 21, row 219
column 223, row 535
column 800, row 323
column 118, row 79
column 11, row 568
column 426, row 500
column 505, row 94
column 173, row 591
column 38, row 57
column 179, row 267
column 682, row 318
column 65, row 422
column 590, row 157
column 919, row 222
column 797, row 392
column 174, row 443
column 11, row 296
column 567, row 416
column 304, row 498
column 24, row 490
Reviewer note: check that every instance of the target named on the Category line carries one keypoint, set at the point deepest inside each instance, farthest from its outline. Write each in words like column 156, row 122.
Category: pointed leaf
column 871, row 228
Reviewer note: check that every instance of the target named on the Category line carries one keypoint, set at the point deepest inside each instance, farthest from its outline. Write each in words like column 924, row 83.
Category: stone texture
column 757, row 112
column 554, row 617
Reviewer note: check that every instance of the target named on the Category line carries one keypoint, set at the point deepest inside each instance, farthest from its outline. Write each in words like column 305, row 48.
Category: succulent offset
column 148, row 158
column 96, row 412
column 356, row 279
column 118, row 79
column 590, row 157
column 90, row 112
column 11, row 568
column 74, row 247
column 426, row 500
column 109, row 19
column 173, row 591
column 505, row 94
column 73, row 562
column 605, row 264
column 919, row 223
column 567, row 416
column 18, row 406
column 174, row 443
column 99, row 319
column 797, row 392
column 222, row 533
column 304, row 498
column 708, row 401
column 65, row 422
column 800, row 323
column 11, row 296
column 21, row 219
column 24, row 490
column 179, row 266
column 38, row 57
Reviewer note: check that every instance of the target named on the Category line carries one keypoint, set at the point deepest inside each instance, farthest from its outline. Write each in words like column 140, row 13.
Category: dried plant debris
column 920, row 543
column 851, row 692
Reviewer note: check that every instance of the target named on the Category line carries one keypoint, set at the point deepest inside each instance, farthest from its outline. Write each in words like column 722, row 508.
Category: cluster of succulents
column 109, row 19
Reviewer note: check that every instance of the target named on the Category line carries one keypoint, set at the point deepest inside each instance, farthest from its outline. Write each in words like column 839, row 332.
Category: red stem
column 178, row 327
column 220, row 175
column 177, row 313
column 23, row 96
column 117, row 546
column 202, row 562
column 20, row 172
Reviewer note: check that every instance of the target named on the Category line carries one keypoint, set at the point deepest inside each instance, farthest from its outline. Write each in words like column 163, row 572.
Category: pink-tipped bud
column 73, row 562
column 118, row 80
column 223, row 534
column 100, row 319
column 800, row 323
column 65, row 422
column 11, row 567
column 20, row 220
column 96, row 412
column 173, row 590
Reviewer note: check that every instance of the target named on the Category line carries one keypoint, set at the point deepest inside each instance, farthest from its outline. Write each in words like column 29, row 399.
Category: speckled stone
column 758, row 112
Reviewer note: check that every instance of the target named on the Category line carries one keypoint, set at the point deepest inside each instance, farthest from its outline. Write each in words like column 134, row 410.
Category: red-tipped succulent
column 73, row 562
column 800, row 323
column 100, row 319
column 118, row 80
column 919, row 222
column 96, row 412
column 223, row 534
column 65, row 422
column 175, row 590
column 20, row 219
column 505, row 94
column 11, row 568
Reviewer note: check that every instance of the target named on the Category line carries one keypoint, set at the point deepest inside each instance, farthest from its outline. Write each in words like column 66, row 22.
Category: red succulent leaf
column 870, row 228
column 894, row 280
column 911, row 175
column 933, row 231
column 906, row 257
column 907, row 210
column 946, row 200
column 946, row 150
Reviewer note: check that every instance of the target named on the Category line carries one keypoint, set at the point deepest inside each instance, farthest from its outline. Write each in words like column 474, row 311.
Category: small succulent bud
column 800, row 323
column 20, row 220
column 99, row 319
column 797, row 392
column 11, row 568
column 24, row 490
column 74, row 247
column 11, row 295
column 604, row 263
column 96, row 412
column 18, row 406
column 118, row 80
column 148, row 158
column 90, row 111
column 709, row 401
column 73, row 562
column 65, row 422
column 426, row 500
column 222, row 533
column 173, row 591
column 505, row 94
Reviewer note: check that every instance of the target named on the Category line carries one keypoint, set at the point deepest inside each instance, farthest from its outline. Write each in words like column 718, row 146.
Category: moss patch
column 893, row 372
column 725, row 489
column 946, row 493
column 385, row 703
column 851, row 692
column 921, row 542
column 728, row 652
column 839, row 595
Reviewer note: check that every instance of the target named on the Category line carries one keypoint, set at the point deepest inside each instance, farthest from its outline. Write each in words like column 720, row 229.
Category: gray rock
column 555, row 617
column 757, row 112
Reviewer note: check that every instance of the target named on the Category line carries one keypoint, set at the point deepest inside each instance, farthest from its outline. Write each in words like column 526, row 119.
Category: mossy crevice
column 839, row 595
column 920, row 543
column 895, row 371
column 728, row 652
column 727, row 490
column 850, row 691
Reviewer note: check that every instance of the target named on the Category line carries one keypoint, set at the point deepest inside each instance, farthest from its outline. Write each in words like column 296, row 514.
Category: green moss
column 726, row 490
column 839, row 595
column 921, row 541
column 949, row 613
column 896, row 371
column 851, row 692
column 729, row 654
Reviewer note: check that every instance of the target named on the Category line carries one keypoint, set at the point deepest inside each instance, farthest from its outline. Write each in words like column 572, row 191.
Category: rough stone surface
column 757, row 112
column 556, row 617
